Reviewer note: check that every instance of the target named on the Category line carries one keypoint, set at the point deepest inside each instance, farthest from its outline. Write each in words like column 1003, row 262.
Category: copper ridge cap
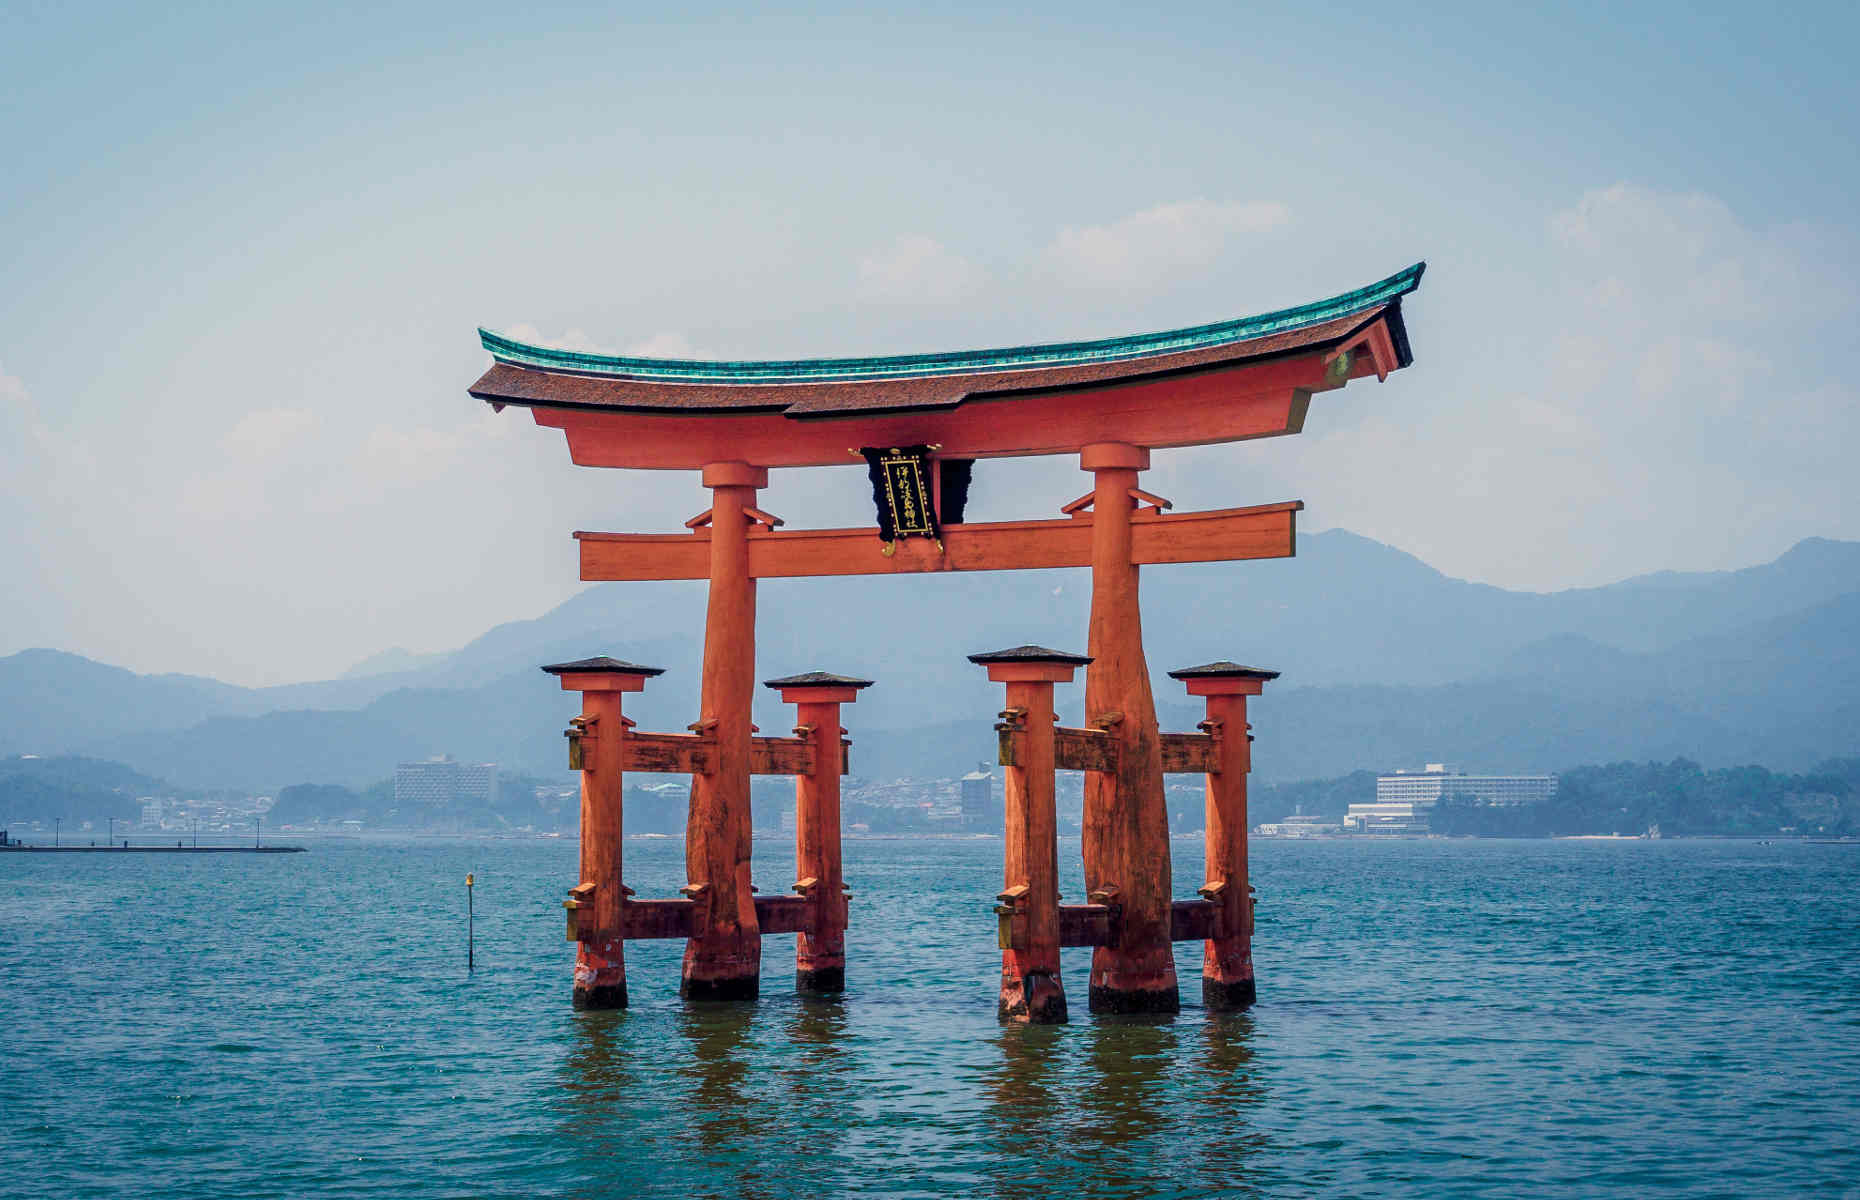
column 516, row 353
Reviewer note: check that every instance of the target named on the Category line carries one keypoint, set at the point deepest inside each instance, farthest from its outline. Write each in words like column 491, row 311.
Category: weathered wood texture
column 692, row 753
column 647, row 919
column 1227, row 981
column 668, row 753
column 1220, row 535
column 1031, row 989
column 1125, row 835
column 1194, row 920
column 820, row 951
column 600, row 959
column 1188, row 754
column 785, row 914
column 723, row 960
column 1087, row 925
column 1251, row 400
column 1084, row 750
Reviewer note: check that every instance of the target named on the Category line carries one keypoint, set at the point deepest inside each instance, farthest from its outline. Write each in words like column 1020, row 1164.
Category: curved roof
column 546, row 377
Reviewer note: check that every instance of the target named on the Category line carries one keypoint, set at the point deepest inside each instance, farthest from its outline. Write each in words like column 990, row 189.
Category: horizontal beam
column 642, row 920
column 1189, row 754
column 667, row 753
column 1219, row 535
column 692, row 753
column 1083, row 750
column 1194, row 920
column 785, row 914
column 1087, row 925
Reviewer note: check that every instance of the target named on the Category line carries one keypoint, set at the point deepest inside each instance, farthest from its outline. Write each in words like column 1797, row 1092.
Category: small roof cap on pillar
column 817, row 679
column 1029, row 654
column 601, row 665
column 1223, row 670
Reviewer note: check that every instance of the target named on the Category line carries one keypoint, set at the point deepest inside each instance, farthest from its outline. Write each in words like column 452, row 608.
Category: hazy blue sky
column 245, row 252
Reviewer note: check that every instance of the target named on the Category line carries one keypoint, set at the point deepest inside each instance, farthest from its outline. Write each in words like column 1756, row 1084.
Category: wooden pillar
column 1227, row 961
column 820, row 950
column 724, row 961
column 598, row 902
column 1031, row 988
column 1126, row 828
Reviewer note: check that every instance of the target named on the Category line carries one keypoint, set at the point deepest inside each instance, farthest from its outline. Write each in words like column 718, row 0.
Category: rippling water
column 1435, row 1019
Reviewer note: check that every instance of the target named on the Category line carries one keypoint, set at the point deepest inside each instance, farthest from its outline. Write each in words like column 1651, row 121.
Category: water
column 1436, row 1019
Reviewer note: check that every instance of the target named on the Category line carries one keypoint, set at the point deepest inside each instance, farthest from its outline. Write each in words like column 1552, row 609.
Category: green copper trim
column 957, row 362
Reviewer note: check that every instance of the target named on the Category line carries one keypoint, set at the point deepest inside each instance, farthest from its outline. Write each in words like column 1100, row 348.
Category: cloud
column 568, row 339
column 663, row 345
column 1663, row 394
column 1145, row 248
column 268, row 431
column 918, row 269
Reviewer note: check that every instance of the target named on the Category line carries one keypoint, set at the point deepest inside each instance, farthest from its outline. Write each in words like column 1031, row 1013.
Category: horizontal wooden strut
column 644, row 920
column 1097, row 924
column 1219, row 535
column 694, row 753
column 1096, row 750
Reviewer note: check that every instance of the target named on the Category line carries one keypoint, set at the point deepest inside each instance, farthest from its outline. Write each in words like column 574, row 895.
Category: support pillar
column 597, row 904
column 820, row 950
column 1126, row 827
column 1227, row 962
column 724, row 961
column 1031, row 988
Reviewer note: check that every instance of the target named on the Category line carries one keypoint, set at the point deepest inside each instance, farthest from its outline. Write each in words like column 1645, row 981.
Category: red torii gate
column 1111, row 402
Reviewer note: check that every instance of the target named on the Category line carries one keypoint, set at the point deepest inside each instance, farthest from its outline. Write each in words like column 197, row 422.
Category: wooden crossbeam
column 1189, row 754
column 1194, row 920
column 1084, row 750
column 1219, row 535
column 646, row 919
column 785, row 914
column 696, row 753
column 1087, row 925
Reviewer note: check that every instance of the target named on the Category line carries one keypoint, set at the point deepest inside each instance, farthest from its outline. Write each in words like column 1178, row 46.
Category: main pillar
column 820, row 953
column 1227, row 960
column 1031, row 988
column 599, row 902
column 1126, row 829
column 724, row 960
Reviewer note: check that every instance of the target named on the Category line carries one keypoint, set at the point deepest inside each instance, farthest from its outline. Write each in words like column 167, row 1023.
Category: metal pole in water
column 470, row 927
column 258, row 825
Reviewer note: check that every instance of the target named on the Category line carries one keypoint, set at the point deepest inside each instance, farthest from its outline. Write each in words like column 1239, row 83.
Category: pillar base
column 600, row 975
column 742, row 987
column 1037, row 999
column 820, row 981
column 1134, row 982
column 600, row 996
column 1228, row 995
column 1134, row 1000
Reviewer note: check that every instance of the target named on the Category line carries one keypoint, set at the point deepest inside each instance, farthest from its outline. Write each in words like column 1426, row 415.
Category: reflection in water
column 1122, row 1124
column 1227, row 1095
column 1023, row 1113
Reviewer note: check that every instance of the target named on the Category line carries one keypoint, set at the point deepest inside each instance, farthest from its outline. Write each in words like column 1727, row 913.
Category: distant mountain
column 390, row 662
column 1386, row 661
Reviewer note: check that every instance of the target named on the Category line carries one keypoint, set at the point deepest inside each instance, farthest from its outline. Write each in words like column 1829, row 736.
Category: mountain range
column 1387, row 662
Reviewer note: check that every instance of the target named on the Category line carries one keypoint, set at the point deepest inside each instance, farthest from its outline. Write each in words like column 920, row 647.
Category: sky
column 244, row 251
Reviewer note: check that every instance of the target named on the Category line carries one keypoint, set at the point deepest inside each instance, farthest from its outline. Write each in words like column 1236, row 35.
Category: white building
column 1405, row 798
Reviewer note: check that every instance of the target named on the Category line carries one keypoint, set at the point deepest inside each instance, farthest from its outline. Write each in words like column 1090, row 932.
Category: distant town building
column 151, row 812
column 444, row 782
column 478, row 783
column 1298, row 825
column 1405, row 799
column 433, row 783
column 980, row 809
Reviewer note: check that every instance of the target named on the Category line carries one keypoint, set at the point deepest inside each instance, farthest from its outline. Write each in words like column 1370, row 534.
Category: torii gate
column 1110, row 402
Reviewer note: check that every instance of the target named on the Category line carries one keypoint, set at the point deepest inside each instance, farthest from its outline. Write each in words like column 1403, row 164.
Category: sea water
column 1436, row 1018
